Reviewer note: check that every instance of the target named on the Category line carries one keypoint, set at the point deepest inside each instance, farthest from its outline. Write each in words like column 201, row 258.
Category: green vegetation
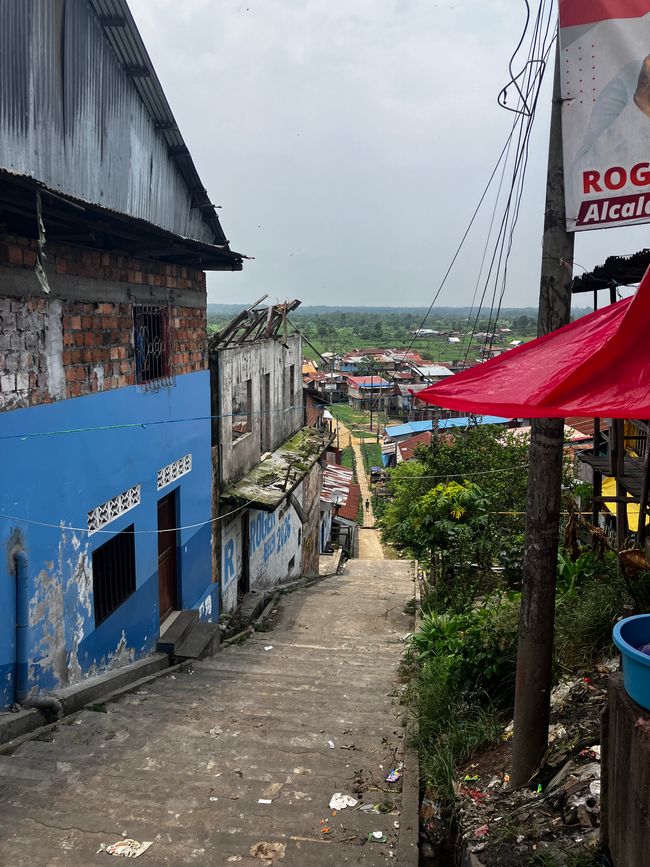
column 458, row 508
column 371, row 456
column 341, row 330
column 347, row 458
column 349, row 416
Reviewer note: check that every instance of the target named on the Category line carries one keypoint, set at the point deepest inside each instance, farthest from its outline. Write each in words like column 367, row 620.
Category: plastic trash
column 125, row 848
column 269, row 647
column 377, row 837
column 370, row 808
column 215, row 732
column 393, row 776
column 331, row 745
column 339, row 801
column 265, row 800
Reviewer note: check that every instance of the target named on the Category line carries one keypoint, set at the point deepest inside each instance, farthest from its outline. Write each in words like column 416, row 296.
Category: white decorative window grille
column 112, row 509
column 174, row 471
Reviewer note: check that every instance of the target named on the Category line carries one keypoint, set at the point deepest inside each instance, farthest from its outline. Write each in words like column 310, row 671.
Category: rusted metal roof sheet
column 82, row 111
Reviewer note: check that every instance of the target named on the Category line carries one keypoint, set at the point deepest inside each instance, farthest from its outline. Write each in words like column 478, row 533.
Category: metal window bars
column 153, row 346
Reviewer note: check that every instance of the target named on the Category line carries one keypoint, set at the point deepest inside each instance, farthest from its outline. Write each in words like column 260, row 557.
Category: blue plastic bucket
column 630, row 634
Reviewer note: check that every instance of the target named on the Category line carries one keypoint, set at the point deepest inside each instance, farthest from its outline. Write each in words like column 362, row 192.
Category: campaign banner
column 605, row 74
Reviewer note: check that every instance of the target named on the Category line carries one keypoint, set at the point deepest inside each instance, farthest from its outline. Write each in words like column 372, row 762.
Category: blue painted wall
column 58, row 480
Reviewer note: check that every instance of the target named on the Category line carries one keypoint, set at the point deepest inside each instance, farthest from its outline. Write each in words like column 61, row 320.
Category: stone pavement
column 191, row 760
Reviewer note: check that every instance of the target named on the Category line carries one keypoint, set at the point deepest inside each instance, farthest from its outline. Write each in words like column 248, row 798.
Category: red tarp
column 598, row 366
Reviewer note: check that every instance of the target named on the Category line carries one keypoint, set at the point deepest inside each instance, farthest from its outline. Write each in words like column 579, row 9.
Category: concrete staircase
column 189, row 638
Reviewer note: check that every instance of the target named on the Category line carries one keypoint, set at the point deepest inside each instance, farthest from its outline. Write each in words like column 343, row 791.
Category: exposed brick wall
column 24, row 367
column 81, row 262
column 54, row 348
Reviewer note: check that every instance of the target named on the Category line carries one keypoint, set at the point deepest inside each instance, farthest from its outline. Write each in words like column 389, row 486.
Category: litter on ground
column 125, row 848
column 339, row 801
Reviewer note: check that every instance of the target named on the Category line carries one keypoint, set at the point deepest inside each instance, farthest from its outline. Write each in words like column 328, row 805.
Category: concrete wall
column 311, row 489
column 275, row 546
column 231, row 562
column 49, row 484
column 253, row 361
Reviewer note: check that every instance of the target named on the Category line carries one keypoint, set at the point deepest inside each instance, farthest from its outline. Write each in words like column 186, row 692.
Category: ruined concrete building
column 105, row 234
column 267, row 462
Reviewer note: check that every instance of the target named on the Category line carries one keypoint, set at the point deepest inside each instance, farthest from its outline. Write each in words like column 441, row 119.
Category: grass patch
column 347, row 459
column 371, row 456
column 450, row 729
column 348, row 415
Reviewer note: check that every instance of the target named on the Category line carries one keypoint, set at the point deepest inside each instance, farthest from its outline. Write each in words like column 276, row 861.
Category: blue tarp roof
column 412, row 428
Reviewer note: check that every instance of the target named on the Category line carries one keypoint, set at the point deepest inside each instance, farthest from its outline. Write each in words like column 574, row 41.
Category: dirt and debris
column 556, row 818
column 269, row 852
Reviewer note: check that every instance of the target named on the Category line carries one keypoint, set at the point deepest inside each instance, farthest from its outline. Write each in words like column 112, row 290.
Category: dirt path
column 369, row 540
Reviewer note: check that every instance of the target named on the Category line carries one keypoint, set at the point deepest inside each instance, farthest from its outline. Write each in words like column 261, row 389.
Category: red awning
column 598, row 366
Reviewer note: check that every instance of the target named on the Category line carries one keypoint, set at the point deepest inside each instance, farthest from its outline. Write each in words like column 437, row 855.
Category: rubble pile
column 559, row 814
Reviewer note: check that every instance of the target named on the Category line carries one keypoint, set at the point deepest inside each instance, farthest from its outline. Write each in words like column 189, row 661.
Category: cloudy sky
column 348, row 142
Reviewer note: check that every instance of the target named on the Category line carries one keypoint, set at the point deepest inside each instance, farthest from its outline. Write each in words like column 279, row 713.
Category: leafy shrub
column 479, row 646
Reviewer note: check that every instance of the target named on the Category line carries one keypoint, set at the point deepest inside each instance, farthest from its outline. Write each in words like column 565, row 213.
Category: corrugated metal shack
column 83, row 115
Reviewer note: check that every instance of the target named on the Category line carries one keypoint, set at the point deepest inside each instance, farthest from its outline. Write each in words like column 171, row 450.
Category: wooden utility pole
column 536, row 623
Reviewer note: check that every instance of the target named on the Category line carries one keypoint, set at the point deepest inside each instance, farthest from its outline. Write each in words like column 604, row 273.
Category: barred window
column 113, row 573
column 152, row 340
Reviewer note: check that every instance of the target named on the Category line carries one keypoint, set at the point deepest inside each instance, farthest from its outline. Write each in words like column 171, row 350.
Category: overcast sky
column 348, row 142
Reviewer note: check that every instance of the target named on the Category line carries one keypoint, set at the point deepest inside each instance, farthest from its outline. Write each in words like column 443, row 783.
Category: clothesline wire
column 63, row 526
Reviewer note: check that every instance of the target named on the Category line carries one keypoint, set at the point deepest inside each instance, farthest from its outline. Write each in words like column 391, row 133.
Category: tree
column 480, row 471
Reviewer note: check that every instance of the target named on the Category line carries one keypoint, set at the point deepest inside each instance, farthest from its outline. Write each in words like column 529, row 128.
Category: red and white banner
column 605, row 71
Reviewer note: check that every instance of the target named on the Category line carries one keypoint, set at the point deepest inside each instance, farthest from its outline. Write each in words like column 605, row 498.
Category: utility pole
column 372, row 382
column 536, row 621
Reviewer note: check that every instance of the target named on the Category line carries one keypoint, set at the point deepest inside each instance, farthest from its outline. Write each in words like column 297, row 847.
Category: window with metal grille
column 113, row 573
column 152, row 340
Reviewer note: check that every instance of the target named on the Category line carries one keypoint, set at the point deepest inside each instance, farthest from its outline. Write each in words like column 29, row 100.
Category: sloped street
column 236, row 760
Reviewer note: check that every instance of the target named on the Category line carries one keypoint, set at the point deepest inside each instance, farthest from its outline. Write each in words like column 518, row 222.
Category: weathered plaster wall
column 311, row 489
column 253, row 361
column 55, row 481
column 231, row 562
column 275, row 546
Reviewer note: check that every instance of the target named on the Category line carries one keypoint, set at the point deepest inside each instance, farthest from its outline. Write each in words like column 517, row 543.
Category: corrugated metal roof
column 415, row 427
column 83, row 112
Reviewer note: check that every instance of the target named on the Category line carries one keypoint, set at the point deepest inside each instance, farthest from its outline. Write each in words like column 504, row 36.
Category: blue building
column 105, row 502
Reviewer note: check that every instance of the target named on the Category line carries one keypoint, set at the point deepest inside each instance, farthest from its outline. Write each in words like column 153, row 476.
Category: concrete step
column 177, row 632
column 33, row 770
column 200, row 641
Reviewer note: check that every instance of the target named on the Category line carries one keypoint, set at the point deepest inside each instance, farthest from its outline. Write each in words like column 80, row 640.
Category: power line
column 63, row 526
column 157, row 422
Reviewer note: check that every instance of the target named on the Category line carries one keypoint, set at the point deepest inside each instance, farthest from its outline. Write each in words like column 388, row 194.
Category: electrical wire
column 157, row 422
column 63, row 526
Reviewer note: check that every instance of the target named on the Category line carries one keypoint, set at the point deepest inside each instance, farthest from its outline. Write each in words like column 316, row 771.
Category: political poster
column 605, row 74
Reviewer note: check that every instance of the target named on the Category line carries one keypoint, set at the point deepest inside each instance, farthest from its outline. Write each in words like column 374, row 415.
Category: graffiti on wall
column 269, row 534
column 274, row 546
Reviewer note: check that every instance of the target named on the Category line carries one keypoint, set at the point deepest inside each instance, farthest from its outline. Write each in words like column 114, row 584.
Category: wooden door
column 167, row 571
